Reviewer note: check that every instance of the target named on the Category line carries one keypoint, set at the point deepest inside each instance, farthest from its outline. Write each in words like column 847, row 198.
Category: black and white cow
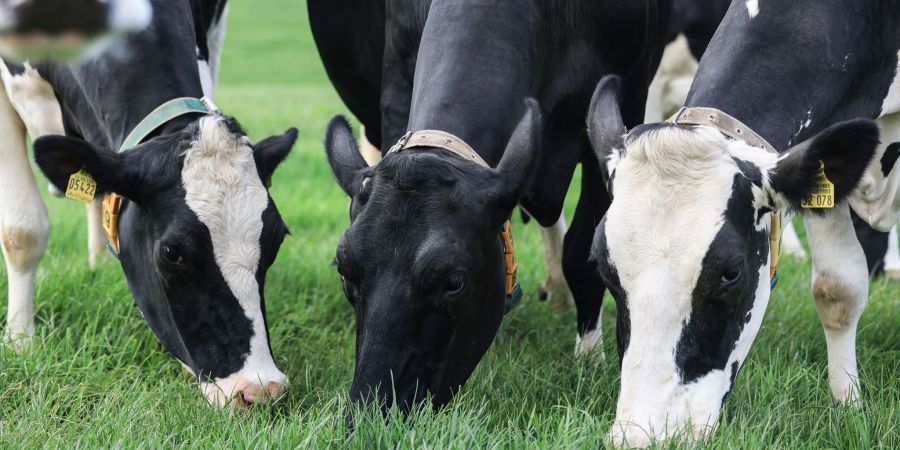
column 692, row 26
column 422, row 259
column 684, row 247
column 197, row 231
column 66, row 28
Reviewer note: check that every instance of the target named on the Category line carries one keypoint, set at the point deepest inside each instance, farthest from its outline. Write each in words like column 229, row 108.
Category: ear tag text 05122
column 82, row 187
column 822, row 193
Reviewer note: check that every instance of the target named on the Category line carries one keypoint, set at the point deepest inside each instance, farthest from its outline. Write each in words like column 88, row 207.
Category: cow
column 691, row 28
column 197, row 229
column 66, row 29
column 422, row 261
column 685, row 246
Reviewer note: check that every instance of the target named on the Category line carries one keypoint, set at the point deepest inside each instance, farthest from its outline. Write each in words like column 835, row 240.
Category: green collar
column 169, row 110
column 162, row 115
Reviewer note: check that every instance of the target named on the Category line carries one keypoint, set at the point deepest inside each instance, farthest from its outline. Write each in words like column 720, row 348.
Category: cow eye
column 456, row 282
column 171, row 254
column 731, row 276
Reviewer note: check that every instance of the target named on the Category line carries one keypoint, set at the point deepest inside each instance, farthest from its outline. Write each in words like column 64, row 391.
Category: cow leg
column 580, row 272
column 554, row 287
column 790, row 242
column 24, row 225
column 215, row 41
column 892, row 258
column 36, row 104
column 369, row 152
column 840, row 284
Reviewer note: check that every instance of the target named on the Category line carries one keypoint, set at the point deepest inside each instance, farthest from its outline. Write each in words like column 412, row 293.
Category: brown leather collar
column 727, row 125
column 438, row 139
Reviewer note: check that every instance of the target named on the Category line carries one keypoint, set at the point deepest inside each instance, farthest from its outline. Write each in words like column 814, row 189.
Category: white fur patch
column 892, row 258
column 206, row 79
column 877, row 198
column 130, row 15
column 752, row 8
column 891, row 103
column 222, row 187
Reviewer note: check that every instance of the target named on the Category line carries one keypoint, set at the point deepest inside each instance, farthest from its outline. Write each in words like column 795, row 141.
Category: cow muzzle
column 241, row 390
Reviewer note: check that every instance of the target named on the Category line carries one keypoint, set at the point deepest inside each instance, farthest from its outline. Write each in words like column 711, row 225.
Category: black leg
column 581, row 273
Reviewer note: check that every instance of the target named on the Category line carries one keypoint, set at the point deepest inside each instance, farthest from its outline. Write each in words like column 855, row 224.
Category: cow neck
column 781, row 97
column 107, row 96
column 473, row 72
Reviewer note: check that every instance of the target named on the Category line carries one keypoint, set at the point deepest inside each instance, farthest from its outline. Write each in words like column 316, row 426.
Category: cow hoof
column 557, row 293
column 16, row 343
column 590, row 347
column 892, row 274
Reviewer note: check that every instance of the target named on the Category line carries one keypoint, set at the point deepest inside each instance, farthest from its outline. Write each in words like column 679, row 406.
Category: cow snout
column 256, row 393
column 240, row 392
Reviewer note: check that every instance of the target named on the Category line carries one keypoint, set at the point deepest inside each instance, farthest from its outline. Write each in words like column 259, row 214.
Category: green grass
column 96, row 376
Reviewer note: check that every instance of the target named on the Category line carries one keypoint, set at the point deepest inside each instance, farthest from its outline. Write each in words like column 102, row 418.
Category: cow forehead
column 671, row 190
column 223, row 188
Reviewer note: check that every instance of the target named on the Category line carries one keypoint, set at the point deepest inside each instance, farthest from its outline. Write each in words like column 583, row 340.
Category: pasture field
column 96, row 377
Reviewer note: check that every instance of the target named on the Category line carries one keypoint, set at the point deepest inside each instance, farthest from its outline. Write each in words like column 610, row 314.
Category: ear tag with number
column 82, row 187
column 822, row 193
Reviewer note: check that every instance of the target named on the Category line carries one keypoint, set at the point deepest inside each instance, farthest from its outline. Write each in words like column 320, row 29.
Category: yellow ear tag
column 822, row 193
column 82, row 187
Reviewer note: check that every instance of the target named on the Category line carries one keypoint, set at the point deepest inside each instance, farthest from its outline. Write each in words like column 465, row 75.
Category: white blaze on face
column 222, row 187
column 671, row 191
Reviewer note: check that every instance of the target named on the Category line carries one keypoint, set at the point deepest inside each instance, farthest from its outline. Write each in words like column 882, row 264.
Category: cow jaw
column 223, row 188
column 673, row 192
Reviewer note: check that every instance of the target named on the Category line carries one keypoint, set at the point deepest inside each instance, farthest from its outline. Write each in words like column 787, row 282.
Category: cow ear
column 516, row 168
column 844, row 149
column 604, row 123
column 59, row 157
column 271, row 151
column 343, row 155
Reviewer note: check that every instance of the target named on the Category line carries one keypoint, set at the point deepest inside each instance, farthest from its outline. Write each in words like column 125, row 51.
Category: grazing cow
column 422, row 260
column 685, row 245
column 197, row 230
column 65, row 28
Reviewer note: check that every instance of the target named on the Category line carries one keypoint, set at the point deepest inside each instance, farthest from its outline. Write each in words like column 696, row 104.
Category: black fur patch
column 718, row 313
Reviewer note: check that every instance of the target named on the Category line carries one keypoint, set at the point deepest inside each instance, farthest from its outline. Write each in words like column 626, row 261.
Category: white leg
column 555, row 287
column 35, row 102
column 790, row 242
column 591, row 345
column 24, row 225
column 369, row 152
column 840, row 289
column 96, row 236
column 670, row 86
column 892, row 258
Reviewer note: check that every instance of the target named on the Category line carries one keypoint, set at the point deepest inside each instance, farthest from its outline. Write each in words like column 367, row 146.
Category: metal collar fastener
column 446, row 141
column 735, row 129
column 112, row 202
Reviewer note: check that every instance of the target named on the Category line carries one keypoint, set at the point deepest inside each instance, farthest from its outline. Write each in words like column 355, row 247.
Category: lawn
column 96, row 377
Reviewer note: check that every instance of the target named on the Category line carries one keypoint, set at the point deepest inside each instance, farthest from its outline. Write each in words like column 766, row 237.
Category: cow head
column 65, row 28
column 197, row 234
column 422, row 262
column 684, row 250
